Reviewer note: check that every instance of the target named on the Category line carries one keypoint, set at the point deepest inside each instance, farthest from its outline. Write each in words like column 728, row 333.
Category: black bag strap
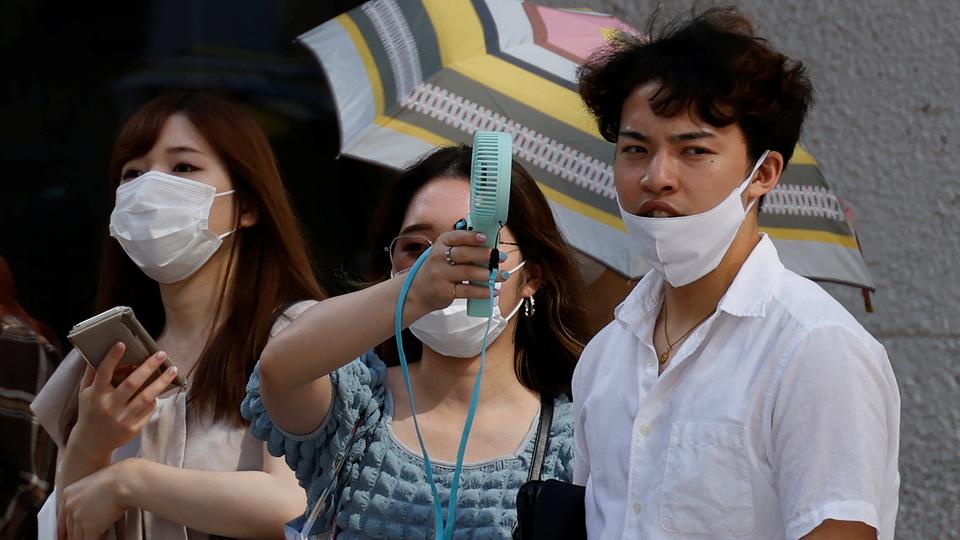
column 540, row 441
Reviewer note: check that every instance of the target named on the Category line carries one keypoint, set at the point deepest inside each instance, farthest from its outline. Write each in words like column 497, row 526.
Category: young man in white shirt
column 730, row 397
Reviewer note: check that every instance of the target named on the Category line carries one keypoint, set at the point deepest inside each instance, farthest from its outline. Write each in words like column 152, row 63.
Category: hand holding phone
column 110, row 416
column 126, row 373
column 95, row 336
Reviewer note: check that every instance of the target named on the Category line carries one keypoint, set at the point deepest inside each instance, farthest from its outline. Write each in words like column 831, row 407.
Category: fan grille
column 489, row 166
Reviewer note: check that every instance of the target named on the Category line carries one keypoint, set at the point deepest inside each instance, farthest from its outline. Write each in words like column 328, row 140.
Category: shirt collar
column 747, row 296
column 635, row 310
column 753, row 287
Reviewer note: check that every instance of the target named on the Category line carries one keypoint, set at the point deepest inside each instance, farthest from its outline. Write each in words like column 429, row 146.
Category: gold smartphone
column 95, row 336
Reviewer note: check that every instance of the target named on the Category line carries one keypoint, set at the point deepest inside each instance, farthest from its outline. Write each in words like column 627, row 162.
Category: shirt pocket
column 706, row 483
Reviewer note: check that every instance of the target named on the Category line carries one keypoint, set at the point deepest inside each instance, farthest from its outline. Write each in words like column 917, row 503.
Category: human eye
column 632, row 149
column 697, row 151
column 415, row 246
column 184, row 168
column 129, row 174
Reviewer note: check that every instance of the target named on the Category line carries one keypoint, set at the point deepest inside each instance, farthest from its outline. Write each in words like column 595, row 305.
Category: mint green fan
column 489, row 196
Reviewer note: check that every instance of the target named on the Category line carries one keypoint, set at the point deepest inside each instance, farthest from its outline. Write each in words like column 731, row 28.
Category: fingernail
column 505, row 274
column 119, row 346
column 161, row 356
column 503, row 256
column 481, row 237
column 171, row 371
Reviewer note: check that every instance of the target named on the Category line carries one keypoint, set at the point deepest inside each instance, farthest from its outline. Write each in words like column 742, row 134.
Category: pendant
column 664, row 357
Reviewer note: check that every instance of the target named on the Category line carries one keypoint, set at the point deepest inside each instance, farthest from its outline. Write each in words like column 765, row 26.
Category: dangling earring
column 529, row 307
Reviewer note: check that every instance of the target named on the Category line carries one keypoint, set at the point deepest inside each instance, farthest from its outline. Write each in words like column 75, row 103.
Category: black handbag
column 548, row 509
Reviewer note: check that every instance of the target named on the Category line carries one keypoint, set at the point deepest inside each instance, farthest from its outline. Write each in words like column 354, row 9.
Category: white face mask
column 683, row 249
column 160, row 221
column 451, row 332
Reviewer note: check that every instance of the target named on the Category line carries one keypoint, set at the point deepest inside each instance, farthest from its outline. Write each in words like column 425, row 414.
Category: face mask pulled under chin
column 683, row 249
column 451, row 332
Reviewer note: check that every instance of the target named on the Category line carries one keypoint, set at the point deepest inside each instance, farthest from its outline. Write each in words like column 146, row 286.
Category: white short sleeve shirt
column 779, row 412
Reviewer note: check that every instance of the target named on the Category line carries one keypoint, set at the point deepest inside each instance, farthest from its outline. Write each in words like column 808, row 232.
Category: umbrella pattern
column 408, row 75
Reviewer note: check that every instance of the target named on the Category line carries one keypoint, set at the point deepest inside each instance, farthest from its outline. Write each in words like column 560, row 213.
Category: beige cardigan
column 173, row 436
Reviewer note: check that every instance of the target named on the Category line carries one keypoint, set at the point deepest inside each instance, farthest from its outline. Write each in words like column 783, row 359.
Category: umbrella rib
column 398, row 42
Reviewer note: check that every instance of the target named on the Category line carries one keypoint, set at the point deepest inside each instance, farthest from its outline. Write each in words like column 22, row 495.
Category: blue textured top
column 384, row 491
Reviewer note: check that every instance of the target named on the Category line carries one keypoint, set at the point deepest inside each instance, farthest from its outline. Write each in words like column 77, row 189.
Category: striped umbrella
column 408, row 75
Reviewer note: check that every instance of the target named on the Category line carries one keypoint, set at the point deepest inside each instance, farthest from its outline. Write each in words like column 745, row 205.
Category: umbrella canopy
column 408, row 75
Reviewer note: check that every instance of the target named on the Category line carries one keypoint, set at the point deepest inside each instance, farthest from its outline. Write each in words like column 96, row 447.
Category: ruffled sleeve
column 359, row 390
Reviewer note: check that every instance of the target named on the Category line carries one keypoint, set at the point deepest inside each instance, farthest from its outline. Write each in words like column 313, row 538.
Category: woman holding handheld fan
column 328, row 395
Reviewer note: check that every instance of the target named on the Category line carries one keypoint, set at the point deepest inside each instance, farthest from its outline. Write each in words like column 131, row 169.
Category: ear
column 248, row 214
column 767, row 176
column 534, row 278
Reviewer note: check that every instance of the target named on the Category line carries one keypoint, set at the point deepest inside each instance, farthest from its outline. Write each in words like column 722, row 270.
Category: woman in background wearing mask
column 324, row 396
column 208, row 251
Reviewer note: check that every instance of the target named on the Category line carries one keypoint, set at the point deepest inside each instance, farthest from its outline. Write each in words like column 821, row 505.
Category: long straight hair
column 272, row 265
column 548, row 343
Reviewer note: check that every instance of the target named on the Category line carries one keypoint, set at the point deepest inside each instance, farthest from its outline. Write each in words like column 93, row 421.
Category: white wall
column 886, row 130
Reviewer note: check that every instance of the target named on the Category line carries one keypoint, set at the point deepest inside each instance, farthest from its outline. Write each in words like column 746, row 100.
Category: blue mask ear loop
column 428, row 467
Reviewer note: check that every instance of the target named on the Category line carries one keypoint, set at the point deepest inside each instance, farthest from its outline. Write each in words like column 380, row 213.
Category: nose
column 660, row 175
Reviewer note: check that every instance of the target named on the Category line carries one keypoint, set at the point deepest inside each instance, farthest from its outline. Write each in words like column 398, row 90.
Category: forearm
column 832, row 529
column 78, row 462
column 332, row 333
column 239, row 504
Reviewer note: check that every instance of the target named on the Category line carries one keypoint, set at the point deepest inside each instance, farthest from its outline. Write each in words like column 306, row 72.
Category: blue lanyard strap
column 443, row 530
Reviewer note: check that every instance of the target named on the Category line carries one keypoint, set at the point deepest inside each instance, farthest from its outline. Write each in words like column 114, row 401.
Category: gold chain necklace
column 666, row 354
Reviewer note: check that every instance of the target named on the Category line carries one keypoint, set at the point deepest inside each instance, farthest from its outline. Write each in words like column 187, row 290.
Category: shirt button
column 645, row 431
column 637, row 507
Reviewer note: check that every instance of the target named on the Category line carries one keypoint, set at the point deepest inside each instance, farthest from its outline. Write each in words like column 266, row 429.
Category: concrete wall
column 886, row 131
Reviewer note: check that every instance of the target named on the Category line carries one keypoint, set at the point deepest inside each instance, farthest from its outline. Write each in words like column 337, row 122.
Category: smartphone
column 95, row 336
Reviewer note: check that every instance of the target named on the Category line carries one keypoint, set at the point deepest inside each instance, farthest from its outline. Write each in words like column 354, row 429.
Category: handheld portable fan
column 489, row 196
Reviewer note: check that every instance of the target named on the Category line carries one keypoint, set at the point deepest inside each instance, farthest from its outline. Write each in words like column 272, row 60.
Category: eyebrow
column 416, row 227
column 184, row 150
column 679, row 137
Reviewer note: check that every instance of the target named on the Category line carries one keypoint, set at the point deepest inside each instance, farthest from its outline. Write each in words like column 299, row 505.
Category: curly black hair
column 711, row 64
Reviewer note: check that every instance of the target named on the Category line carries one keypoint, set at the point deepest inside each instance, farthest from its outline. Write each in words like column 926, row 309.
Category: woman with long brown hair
column 208, row 251
column 324, row 396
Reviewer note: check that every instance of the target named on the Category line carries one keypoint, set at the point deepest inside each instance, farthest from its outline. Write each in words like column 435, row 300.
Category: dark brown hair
column 711, row 64
column 273, row 267
column 549, row 342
